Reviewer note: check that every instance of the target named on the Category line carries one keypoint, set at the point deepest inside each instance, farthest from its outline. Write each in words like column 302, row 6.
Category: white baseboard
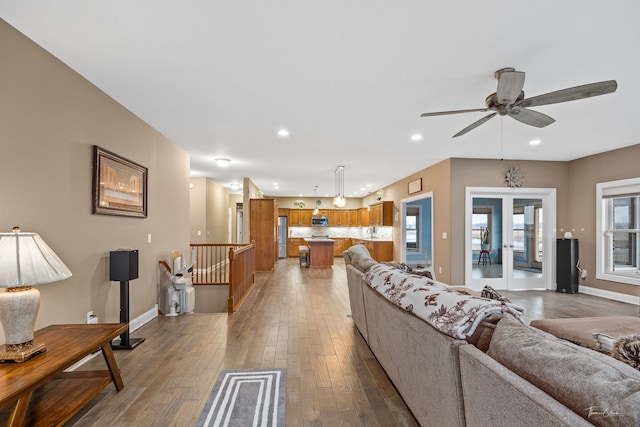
column 133, row 325
column 616, row 296
column 145, row 317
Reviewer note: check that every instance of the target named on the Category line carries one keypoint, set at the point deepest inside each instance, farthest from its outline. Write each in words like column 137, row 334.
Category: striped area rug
column 253, row 397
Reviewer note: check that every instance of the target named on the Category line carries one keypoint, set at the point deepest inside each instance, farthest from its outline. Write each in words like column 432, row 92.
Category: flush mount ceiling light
column 535, row 142
column 416, row 137
column 235, row 186
column 222, row 162
column 283, row 133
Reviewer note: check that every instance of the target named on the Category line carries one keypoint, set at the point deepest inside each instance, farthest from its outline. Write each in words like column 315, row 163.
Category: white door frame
column 403, row 214
column 548, row 196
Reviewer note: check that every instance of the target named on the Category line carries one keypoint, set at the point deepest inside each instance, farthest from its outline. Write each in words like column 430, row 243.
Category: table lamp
column 25, row 260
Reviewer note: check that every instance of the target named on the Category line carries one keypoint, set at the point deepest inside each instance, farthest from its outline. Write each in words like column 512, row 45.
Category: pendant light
column 316, row 211
column 339, row 201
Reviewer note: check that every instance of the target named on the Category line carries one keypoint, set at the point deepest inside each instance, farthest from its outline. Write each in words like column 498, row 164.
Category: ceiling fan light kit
column 509, row 100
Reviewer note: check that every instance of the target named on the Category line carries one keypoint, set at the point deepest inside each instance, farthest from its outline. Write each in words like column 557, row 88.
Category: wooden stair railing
column 230, row 264
column 241, row 276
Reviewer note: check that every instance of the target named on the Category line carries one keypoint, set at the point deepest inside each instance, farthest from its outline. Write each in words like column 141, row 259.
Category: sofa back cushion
column 599, row 388
column 355, row 249
column 362, row 262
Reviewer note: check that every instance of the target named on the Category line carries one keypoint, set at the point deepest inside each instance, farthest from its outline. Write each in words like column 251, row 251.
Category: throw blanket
column 452, row 313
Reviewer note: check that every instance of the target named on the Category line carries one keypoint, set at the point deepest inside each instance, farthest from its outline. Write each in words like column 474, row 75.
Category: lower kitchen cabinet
column 293, row 245
column 381, row 251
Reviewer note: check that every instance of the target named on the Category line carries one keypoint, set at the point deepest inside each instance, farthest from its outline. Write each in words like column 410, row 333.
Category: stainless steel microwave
column 320, row 221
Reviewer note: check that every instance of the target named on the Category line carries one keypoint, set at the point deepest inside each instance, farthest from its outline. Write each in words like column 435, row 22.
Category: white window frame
column 605, row 190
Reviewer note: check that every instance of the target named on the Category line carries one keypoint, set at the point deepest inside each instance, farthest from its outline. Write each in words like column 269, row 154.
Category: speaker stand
column 126, row 343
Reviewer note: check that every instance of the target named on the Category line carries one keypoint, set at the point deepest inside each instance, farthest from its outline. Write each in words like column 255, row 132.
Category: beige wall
column 208, row 209
column 325, row 202
column 491, row 173
column 198, row 210
column 50, row 118
column 584, row 174
column 435, row 179
column 447, row 181
column 217, row 213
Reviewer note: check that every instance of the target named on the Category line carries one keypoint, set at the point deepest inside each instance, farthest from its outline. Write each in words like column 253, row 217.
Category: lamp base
column 20, row 352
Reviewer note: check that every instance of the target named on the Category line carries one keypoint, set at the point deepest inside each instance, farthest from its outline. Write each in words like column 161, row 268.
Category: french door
column 518, row 227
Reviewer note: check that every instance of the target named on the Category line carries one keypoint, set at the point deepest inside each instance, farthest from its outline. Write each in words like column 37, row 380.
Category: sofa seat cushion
column 599, row 388
column 453, row 313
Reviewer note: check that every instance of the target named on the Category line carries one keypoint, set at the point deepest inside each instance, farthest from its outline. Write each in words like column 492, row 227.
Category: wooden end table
column 41, row 393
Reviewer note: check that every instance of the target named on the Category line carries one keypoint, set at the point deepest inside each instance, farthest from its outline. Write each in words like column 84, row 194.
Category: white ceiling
column 348, row 79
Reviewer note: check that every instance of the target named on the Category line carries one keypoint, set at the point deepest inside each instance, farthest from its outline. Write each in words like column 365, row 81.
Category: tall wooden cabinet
column 264, row 231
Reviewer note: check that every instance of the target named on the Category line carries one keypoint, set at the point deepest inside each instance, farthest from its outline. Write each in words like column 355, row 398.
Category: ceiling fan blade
column 444, row 113
column 571, row 94
column 474, row 125
column 510, row 84
column 530, row 117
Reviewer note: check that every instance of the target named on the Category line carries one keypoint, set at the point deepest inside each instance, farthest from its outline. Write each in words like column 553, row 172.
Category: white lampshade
column 26, row 260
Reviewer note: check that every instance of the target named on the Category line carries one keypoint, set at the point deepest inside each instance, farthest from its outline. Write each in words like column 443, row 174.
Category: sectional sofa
column 503, row 373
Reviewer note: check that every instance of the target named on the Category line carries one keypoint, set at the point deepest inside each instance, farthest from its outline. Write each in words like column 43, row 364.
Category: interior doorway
column 417, row 230
column 510, row 238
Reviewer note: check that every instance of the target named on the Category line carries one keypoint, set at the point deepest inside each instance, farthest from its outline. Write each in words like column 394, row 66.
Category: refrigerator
column 282, row 237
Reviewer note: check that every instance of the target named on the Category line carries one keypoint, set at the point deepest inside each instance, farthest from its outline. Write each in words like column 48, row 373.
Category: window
column 411, row 228
column 618, row 218
column 478, row 222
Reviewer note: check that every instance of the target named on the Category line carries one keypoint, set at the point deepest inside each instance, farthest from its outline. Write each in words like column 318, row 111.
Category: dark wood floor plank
column 295, row 318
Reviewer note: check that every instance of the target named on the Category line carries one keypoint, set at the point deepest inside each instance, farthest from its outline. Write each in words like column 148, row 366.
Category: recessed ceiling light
column 535, row 142
column 283, row 133
column 275, row 184
column 416, row 137
column 368, row 185
column 222, row 162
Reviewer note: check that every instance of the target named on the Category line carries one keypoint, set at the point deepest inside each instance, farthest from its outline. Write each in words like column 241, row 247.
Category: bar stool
column 303, row 255
column 484, row 257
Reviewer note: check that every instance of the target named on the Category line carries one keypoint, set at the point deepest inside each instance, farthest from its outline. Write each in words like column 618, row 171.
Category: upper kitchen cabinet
column 263, row 231
column 381, row 214
column 354, row 217
column 339, row 218
column 300, row 217
column 363, row 217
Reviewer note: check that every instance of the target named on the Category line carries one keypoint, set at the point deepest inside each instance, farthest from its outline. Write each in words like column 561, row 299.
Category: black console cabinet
column 566, row 270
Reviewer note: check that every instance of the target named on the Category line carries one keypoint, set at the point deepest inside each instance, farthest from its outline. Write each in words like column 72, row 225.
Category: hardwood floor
column 296, row 318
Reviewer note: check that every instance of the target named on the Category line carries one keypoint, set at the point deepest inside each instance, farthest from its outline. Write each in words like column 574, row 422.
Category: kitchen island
column 320, row 252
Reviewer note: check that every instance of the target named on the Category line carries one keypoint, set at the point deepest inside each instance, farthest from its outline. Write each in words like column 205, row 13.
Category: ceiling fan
column 509, row 100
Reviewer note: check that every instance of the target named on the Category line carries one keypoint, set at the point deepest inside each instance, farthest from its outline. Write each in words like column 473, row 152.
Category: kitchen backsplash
column 382, row 233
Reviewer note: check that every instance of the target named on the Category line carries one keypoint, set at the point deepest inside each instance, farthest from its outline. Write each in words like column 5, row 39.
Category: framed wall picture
column 415, row 186
column 119, row 185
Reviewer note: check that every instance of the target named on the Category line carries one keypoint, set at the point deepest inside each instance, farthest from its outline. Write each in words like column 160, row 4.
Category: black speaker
column 123, row 265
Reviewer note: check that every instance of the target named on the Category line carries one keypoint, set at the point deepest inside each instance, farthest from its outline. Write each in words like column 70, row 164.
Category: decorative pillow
column 362, row 262
column 594, row 385
column 425, row 273
column 627, row 349
column 489, row 292
column 358, row 249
